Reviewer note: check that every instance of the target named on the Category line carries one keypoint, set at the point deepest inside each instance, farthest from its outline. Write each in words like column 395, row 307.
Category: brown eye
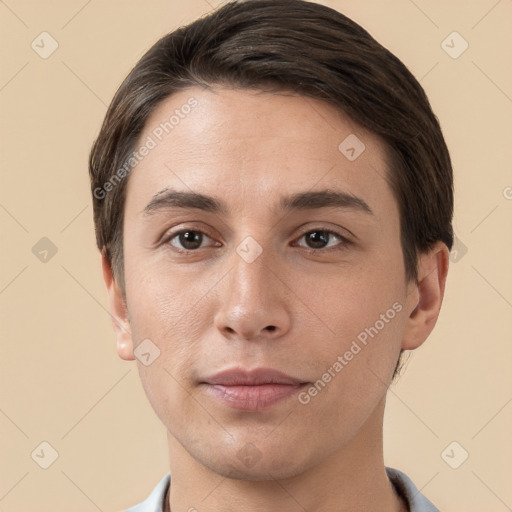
column 317, row 239
column 188, row 240
column 320, row 239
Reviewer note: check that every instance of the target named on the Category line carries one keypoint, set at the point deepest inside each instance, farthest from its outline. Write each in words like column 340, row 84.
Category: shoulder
column 407, row 490
column 155, row 501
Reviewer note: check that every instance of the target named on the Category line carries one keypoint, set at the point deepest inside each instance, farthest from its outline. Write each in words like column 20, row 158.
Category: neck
column 352, row 478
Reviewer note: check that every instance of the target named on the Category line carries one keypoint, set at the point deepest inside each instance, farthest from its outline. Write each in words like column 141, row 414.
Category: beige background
column 61, row 380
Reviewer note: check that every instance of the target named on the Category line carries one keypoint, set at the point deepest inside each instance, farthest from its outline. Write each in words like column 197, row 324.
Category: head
column 271, row 188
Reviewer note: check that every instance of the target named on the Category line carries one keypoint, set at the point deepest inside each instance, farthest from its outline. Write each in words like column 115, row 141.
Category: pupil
column 191, row 239
column 318, row 239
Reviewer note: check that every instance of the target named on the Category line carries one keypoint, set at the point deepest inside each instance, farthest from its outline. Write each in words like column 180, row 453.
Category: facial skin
column 291, row 309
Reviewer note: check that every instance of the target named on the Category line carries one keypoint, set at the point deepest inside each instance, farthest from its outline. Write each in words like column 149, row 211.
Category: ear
column 118, row 312
column 425, row 296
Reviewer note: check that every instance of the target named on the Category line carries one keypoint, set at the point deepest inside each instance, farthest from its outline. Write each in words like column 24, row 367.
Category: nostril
column 271, row 327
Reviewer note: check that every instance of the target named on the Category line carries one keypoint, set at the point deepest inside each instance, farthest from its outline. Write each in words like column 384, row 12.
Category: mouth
column 251, row 390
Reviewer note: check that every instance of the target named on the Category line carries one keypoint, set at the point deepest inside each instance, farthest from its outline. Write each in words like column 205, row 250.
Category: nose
column 253, row 302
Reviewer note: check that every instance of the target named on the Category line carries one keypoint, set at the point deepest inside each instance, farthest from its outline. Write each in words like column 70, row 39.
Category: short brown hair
column 305, row 48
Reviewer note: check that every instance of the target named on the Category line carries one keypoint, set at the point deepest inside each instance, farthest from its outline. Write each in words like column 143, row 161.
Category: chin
column 262, row 472
column 248, row 463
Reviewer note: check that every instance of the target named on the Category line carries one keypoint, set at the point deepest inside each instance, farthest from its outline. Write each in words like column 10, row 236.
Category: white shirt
column 403, row 485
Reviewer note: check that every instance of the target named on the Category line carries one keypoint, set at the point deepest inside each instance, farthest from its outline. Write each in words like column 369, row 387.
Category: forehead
column 248, row 144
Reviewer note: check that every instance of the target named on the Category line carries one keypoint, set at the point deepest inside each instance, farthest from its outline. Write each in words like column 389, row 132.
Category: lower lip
column 252, row 398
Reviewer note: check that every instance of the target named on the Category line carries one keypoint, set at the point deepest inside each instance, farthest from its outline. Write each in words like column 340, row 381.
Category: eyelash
column 344, row 242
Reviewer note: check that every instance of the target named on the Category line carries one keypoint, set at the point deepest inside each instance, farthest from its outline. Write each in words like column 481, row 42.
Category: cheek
column 354, row 368
column 171, row 315
column 354, row 300
column 365, row 313
column 174, row 310
column 163, row 300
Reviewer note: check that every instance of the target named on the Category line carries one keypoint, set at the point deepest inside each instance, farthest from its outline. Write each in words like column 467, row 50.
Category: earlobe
column 118, row 311
column 426, row 297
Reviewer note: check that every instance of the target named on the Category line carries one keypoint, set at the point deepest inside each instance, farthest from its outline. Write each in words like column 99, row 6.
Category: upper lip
column 255, row 377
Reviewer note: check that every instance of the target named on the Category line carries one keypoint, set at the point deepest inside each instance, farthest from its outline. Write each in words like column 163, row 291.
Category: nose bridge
column 250, row 275
column 253, row 303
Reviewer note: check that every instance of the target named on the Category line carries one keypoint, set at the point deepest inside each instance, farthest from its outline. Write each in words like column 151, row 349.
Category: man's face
column 269, row 280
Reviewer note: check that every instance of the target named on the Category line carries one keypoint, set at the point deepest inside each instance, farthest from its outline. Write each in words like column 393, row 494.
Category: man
column 273, row 202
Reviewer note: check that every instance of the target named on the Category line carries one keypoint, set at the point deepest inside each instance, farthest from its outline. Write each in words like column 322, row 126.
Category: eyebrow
column 169, row 198
column 324, row 199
